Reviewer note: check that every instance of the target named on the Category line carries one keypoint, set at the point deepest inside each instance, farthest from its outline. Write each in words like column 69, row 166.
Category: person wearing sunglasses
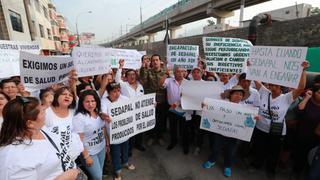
column 27, row 152
column 119, row 152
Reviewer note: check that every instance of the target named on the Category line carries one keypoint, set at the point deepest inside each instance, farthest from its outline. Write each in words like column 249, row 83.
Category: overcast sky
column 108, row 16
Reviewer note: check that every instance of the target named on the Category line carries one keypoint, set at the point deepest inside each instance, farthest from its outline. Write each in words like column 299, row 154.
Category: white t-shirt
column 105, row 105
column 92, row 128
column 126, row 89
column 253, row 99
column 278, row 106
column 62, row 127
column 1, row 121
column 36, row 161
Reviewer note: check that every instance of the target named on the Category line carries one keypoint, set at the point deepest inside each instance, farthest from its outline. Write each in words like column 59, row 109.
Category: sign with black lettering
column 226, row 55
column 276, row 65
column 131, row 117
column 9, row 56
column 38, row 72
column 90, row 61
column 185, row 56
column 228, row 119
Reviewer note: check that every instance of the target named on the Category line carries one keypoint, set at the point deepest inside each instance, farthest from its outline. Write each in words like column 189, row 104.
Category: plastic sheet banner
column 228, row 119
column 131, row 117
column 9, row 56
column 90, row 61
column 276, row 65
column 193, row 93
column 313, row 56
column 226, row 55
column 39, row 72
column 185, row 56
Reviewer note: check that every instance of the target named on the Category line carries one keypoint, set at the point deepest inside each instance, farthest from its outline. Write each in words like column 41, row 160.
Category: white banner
column 143, row 53
column 9, row 56
column 227, row 55
column 185, row 56
column 132, row 58
column 90, row 61
column 38, row 72
column 132, row 117
column 194, row 92
column 228, row 119
column 276, row 65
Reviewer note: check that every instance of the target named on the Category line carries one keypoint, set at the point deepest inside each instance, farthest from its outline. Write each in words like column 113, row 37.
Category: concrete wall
column 298, row 32
column 17, row 7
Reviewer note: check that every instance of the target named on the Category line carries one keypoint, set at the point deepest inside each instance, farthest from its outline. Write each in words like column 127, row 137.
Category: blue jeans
column 119, row 155
column 314, row 172
column 230, row 145
column 96, row 170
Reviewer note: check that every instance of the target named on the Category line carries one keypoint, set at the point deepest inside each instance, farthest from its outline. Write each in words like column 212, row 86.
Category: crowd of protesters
column 62, row 132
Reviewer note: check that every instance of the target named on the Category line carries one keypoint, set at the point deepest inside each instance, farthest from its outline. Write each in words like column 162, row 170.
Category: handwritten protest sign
column 143, row 53
column 131, row 117
column 9, row 56
column 276, row 65
column 228, row 119
column 38, row 72
column 194, row 92
column 227, row 55
column 90, row 61
column 132, row 58
column 185, row 56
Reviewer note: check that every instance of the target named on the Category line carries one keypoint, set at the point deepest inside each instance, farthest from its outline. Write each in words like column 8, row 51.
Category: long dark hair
column 5, row 96
column 58, row 92
column 16, row 113
column 83, row 95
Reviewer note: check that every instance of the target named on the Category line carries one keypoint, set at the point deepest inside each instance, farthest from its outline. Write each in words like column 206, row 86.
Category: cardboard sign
column 90, row 61
column 185, row 56
column 38, row 72
column 276, row 65
column 226, row 55
column 228, row 119
column 131, row 117
column 9, row 56
column 194, row 93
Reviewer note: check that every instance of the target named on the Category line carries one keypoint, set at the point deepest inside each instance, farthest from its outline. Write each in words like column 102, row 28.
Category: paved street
column 159, row 164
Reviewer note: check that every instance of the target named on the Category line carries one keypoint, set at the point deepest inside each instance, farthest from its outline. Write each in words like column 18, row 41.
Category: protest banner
column 228, row 119
column 143, row 53
column 185, row 56
column 9, row 56
column 276, row 65
column 132, row 58
column 38, row 72
column 194, row 92
column 131, row 117
column 227, row 55
column 90, row 61
column 314, row 60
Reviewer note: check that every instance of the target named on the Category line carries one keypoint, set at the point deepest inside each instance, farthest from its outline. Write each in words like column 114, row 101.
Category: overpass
column 183, row 12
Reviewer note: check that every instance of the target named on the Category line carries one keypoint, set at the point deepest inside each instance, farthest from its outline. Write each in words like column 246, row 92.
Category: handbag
column 275, row 127
column 81, row 175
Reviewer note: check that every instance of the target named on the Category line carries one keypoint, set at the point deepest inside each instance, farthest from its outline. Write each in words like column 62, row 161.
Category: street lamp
column 78, row 38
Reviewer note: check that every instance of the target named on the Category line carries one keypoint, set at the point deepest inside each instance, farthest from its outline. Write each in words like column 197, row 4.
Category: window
column 41, row 31
column 45, row 12
column 49, row 34
column 37, row 5
column 16, row 21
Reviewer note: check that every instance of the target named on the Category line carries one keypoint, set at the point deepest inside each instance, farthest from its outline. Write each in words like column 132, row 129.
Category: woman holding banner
column 235, row 95
column 270, row 130
column 91, row 129
column 119, row 152
column 27, row 152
